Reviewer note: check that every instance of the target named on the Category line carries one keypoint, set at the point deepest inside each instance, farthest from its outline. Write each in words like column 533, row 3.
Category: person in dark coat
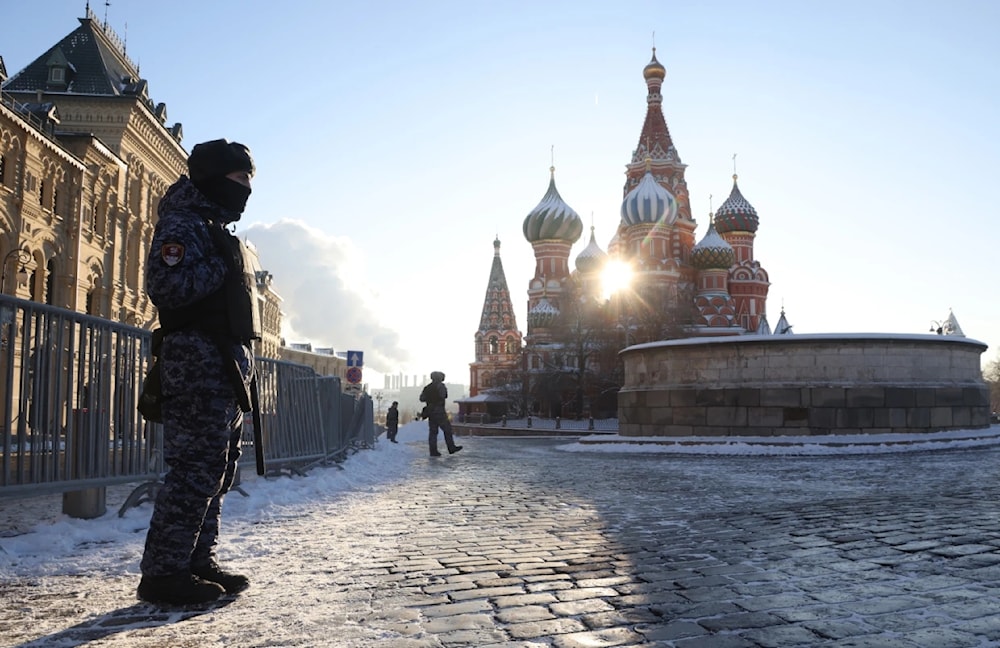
column 392, row 421
column 435, row 393
column 202, row 284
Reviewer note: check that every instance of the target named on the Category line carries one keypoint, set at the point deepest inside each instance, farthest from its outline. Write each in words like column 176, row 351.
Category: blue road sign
column 355, row 358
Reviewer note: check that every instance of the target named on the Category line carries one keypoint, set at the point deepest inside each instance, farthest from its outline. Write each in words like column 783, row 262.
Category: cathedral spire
column 498, row 342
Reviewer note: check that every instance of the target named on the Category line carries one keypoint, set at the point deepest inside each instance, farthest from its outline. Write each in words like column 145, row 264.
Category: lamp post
column 941, row 328
column 22, row 274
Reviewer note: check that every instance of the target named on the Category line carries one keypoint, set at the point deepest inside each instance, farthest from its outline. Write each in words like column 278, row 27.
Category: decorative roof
column 592, row 257
column 649, row 202
column 498, row 311
column 552, row 218
column 655, row 140
column 763, row 328
column 95, row 62
column 950, row 326
column 712, row 252
column 654, row 69
column 782, row 327
column 542, row 314
column 736, row 214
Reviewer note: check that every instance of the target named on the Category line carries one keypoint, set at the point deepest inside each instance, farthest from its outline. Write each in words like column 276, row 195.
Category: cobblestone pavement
column 515, row 543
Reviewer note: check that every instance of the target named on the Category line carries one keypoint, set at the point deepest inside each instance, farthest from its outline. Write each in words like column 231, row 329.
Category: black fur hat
column 218, row 158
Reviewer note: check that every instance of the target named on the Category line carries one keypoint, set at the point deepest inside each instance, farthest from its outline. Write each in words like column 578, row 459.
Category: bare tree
column 991, row 374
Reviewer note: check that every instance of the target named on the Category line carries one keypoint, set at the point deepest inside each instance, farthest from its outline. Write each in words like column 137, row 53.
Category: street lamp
column 941, row 328
column 22, row 274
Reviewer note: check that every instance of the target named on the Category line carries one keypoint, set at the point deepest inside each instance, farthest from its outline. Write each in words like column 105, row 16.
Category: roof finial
column 654, row 42
column 106, row 5
column 710, row 204
column 552, row 161
column 734, row 167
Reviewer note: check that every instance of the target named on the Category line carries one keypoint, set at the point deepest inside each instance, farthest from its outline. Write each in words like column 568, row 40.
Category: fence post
column 89, row 453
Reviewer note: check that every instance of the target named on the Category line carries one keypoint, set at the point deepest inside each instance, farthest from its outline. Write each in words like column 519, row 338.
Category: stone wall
column 803, row 384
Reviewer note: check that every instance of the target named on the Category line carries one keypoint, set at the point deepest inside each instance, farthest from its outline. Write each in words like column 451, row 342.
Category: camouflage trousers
column 201, row 446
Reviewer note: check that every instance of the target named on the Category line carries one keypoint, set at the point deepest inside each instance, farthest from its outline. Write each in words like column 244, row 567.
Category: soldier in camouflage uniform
column 203, row 287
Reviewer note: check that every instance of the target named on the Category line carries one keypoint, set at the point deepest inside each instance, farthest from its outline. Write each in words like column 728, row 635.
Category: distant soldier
column 392, row 421
column 435, row 393
column 203, row 288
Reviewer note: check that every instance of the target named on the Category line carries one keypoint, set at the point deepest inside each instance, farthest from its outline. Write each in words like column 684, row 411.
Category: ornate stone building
column 85, row 156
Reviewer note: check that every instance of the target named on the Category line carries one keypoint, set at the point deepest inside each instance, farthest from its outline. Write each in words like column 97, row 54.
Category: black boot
column 211, row 572
column 454, row 449
column 178, row 589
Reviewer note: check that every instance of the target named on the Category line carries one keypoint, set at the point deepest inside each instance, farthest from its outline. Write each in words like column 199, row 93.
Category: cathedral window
column 3, row 170
column 494, row 346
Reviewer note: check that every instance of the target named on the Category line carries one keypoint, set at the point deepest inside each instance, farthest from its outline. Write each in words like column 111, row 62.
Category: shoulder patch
column 172, row 253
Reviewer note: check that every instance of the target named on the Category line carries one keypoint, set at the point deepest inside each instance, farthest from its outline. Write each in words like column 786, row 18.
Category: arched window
column 50, row 275
column 494, row 345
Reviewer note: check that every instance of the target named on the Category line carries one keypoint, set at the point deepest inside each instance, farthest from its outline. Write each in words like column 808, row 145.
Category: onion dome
column 649, row 202
column 552, row 218
column 542, row 314
column 654, row 69
column 592, row 257
column 736, row 214
column 712, row 252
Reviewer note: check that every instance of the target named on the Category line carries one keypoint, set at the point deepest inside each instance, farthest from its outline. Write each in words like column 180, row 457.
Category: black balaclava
column 208, row 165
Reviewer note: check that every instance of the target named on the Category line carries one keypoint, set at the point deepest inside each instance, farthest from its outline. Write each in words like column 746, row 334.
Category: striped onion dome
column 712, row 251
column 552, row 218
column 649, row 202
column 736, row 214
column 592, row 257
column 542, row 314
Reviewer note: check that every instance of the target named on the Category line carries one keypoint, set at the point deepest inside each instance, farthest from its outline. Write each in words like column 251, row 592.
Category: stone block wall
column 802, row 385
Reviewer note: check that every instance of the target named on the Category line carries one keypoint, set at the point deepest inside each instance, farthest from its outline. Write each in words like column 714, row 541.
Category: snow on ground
column 52, row 546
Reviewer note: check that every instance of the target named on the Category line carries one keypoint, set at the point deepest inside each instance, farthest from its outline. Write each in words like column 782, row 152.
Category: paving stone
column 546, row 629
column 738, row 621
column 521, row 545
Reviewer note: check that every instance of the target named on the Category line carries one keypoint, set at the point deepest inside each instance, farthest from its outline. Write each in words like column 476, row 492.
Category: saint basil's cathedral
column 711, row 287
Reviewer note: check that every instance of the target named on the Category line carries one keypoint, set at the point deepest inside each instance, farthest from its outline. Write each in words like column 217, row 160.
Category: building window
column 3, row 170
column 50, row 280
column 41, row 193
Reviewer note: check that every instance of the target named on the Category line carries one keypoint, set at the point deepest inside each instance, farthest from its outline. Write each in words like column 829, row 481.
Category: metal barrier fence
column 69, row 384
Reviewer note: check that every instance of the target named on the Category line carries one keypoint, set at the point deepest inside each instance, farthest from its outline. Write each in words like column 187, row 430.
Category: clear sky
column 395, row 140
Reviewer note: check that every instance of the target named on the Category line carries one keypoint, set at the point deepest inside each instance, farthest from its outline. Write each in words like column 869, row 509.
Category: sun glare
column 616, row 277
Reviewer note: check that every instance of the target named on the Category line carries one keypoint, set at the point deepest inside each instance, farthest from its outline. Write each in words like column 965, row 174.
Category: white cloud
column 326, row 301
